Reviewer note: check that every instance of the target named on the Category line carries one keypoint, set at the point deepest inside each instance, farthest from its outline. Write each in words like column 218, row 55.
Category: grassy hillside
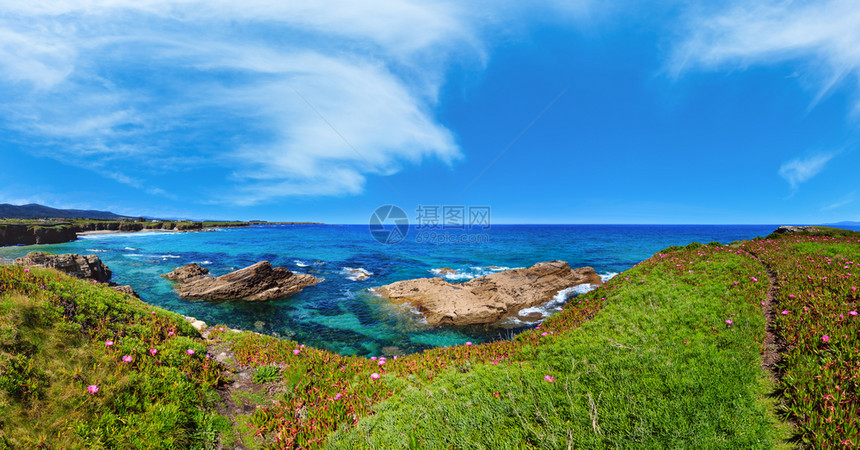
column 667, row 354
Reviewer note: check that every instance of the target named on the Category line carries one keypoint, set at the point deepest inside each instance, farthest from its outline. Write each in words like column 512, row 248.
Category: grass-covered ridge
column 667, row 354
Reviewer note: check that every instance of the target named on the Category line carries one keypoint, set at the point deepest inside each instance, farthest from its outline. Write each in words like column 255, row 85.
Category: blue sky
column 546, row 111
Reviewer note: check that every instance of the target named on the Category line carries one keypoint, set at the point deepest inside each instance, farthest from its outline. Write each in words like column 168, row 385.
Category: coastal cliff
column 55, row 233
column 14, row 234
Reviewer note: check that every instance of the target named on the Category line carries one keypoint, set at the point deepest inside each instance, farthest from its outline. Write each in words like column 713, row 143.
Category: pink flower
column 784, row 313
column 221, row 329
column 337, row 396
column 495, row 394
column 92, row 389
column 296, row 351
column 108, row 343
column 729, row 321
column 373, row 358
column 153, row 313
column 170, row 333
column 754, row 279
column 189, row 351
column 825, row 338
column 852, row 313
column 126, row 359
column 736, row 283
column 374, row 376
column 469, row 343
column 153, row 351
column 208, row 356
column 544, row 334
column 790, row 295
column 381, row 362
column 549, row 378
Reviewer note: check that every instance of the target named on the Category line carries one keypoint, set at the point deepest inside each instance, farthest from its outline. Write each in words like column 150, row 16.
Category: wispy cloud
column 141, row 87
column 824, row 36
column 800, row 170
column 844, row 201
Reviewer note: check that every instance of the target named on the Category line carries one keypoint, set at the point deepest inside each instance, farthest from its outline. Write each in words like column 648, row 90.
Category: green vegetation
column 667, row 354
column 84, row 366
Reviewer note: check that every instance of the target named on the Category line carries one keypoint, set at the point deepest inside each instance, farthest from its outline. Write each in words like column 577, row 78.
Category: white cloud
column 800, row 170
column 845, row 201
column 826, row 34
column 292, row 98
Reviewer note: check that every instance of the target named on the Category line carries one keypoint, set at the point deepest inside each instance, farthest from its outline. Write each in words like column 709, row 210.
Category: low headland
column 747, row 345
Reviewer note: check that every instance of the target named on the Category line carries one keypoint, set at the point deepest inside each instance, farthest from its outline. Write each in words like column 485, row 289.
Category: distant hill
column 34, row 211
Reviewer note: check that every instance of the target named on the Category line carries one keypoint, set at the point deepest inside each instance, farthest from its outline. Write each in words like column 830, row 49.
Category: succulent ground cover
column 667, row 354
column 819, row 326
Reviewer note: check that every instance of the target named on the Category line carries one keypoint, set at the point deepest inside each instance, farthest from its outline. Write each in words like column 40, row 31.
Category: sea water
column 342, row 314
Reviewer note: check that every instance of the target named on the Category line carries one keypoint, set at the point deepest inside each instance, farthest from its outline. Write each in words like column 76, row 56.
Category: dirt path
column 772, row 353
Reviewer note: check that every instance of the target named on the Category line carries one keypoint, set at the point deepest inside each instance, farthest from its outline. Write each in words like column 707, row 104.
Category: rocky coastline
column 487, row 299
column 57, row 233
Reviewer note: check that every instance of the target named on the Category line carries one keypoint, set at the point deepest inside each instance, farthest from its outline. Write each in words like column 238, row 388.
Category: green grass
column 658, row 367
column 646, row 361
column 53, row 336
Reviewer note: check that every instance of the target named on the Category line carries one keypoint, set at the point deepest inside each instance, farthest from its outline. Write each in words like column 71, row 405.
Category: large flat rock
column 490, row 298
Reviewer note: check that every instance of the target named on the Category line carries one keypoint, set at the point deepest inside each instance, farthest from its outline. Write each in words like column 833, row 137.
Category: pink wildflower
column 381, row 362
column 374, row 376
column 544, row 334
column 170, row 333
column 852, row 313
column 729, row 322
column 469, row 343
column 108, row 343
column 189, row 351
column 784, row 313
column 126, row 359
column 549, row 378
column 337, row 396
column 28, row 271
column 296, row 351
column 373, row 358
column 153, row 351
column 825, row 338
column 92, row 389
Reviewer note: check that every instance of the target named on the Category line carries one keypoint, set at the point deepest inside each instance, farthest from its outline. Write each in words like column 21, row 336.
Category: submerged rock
column 445, row 271
column 87, row 267
column 186, row 273
column 258, row 282
column 490, row 298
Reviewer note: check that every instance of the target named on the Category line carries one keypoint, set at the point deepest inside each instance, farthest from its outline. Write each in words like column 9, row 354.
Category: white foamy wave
column 604, row 277
column 95, row 250
column 356, row 274
column 170, row 257
column 130, row 248
column 203, row 263
column 469, row 273
column 300, row 263
column 132, row 254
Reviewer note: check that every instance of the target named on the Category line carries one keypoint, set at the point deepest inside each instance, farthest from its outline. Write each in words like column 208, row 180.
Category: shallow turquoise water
column 340, row 314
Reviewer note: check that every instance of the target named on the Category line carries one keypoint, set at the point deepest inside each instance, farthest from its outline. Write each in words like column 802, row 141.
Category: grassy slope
column 658, row 367
column 646, row 361
column 53, row 335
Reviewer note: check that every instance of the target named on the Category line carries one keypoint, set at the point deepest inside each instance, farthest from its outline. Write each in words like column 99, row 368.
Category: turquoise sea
column 341, row 314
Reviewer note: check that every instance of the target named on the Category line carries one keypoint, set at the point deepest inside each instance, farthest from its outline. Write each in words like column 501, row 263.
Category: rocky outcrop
column 88, row 267
column 14, row 234
column 787, row 229
column 490, row 298
column 125, row 289
column 446, row 271
column 258, row 282
column 186, row 273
